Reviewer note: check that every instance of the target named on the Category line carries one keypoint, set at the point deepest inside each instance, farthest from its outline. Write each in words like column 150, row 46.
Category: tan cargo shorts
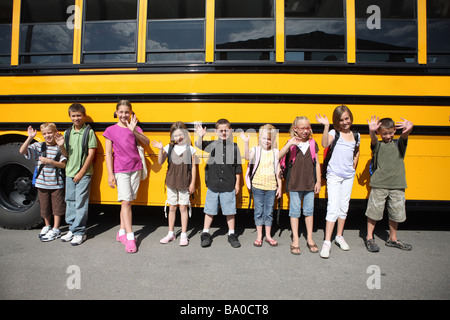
column 394, row 199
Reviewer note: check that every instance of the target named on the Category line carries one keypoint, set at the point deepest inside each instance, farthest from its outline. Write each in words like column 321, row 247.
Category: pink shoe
column 131, row 246
column 167, row 239
column 184, row 241
column 122, row 238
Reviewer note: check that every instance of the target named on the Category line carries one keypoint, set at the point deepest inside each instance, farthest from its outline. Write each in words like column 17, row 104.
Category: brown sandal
column 295, row 250
column 312, row 247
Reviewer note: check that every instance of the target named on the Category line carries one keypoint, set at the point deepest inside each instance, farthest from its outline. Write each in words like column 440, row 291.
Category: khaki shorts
column 394, row 200
column 127, row 185
column 52, row 202
column 175, row 196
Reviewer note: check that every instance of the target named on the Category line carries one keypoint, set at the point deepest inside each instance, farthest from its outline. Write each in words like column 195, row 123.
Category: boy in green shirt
column 79, row 171
column 388, row 182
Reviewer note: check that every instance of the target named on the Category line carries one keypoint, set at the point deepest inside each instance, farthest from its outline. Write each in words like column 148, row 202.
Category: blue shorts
column 295, row 203
column 226, row 200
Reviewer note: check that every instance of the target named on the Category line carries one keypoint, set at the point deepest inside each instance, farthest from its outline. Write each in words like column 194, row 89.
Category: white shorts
column 175, row 196
column 127, row 185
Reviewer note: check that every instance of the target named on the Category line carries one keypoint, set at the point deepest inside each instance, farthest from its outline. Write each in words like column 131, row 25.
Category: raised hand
column 31, row 132
column 244, row 137
column 405, row 125
column 200, row 131
column 157, row 144
column 322, row 119
column 374, row 123
column 132, row 123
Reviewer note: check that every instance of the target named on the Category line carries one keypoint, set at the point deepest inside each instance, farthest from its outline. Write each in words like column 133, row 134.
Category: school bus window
column 44, row 35
column 176, row 30
column 245, row 30
column 315, row 30
column 5, row 32
column 386, row 31
column 438, row 29
column 110, row 31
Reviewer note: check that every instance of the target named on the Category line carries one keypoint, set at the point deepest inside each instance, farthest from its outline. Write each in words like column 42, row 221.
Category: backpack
column 252, row 167
column 328, row 151
column 60, row 172
column 288, row 160
column 84, row 143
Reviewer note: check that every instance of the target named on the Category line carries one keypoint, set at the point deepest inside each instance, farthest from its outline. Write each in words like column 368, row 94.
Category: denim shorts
column 226, row 200
column 295, row 203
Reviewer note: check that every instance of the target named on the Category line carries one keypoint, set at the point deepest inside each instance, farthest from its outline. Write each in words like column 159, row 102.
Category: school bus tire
column 19, row 207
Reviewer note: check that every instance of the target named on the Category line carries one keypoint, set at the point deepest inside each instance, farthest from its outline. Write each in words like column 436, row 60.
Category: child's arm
column 406, row 127
column 285, row 149
column 162, row 155
column 326, row 138
column 59, row 138
column 237, row 186
column 109, row 163
column 356, row 158
column 246, row 149
column 374, row 124
column 201, row 132
column 31, row 134
column 193, row 174
column 87, row 163
column 58, row 164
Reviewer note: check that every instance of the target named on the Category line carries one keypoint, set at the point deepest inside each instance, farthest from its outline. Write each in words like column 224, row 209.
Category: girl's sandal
column 257, row 243
column 295, row 250
column 272, row 242
column 312, row 248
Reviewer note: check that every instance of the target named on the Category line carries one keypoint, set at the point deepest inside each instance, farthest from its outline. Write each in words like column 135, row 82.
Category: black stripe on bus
column 233, row 98
column 165, row 127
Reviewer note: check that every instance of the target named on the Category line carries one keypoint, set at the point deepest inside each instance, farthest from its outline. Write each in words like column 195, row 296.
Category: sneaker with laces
column 233, row 240
column 325, row 252
column 67, row 237
column 44, row 231
column 167, row 239
column 78, row 239
column 51, row 235
column 340, row 242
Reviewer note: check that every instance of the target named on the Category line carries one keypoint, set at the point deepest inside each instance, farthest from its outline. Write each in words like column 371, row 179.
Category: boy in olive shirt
column 388, row 182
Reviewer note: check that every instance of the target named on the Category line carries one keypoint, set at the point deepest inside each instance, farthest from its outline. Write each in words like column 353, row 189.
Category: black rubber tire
column 19, row 207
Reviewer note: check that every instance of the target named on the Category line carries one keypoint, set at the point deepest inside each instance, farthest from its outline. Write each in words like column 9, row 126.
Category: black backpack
column 329, row 151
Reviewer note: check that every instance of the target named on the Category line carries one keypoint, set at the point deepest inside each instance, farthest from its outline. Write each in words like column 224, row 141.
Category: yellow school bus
column 252, row 62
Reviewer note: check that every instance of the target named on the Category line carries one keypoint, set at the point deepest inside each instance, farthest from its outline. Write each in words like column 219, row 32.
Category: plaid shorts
column 394, row 199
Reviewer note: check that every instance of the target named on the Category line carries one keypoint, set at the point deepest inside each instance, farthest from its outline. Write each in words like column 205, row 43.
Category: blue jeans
column 77, row 202
column 295, row 203
column 263, row 201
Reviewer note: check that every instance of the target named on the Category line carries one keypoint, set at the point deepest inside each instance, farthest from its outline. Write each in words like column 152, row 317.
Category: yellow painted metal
column 279, row 22
column 142, row 31
column 351, row 31
column 15, row 33
column 422, row 31
column 77, row 30
column 209, row 34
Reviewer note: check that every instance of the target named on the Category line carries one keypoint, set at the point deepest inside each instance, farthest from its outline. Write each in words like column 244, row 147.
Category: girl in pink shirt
column 124, row 164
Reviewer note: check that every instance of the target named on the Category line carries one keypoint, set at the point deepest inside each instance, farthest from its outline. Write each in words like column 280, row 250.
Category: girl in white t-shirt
column 124, row 164
column 340, row 173
column 180, row 178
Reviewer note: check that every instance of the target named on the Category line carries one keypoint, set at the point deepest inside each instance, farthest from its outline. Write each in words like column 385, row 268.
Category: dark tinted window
column 6, row 11
column 389, row 9
column 315, row 34
column 438, row 9
column 314, row 8
column 244, row 9
column 111, row 10
column 438, row 31
column 393, row 35
column 113, row 36
column 176, row 9
column 245, row 34
column 42, row 38
column 175, row 35
column 33, row 11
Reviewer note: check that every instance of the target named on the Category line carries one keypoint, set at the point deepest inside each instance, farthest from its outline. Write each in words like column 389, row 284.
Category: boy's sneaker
column 78, row 239
column 372, row 246
column 206, row 240
column 399, row 244
column 325, row 252
column 339, row 240
column 51, row 235
column 44, row 231
column 67, row 237
column 233, row 240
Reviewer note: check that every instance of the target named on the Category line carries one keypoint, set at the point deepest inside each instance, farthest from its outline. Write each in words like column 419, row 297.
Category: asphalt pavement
column 100, row 269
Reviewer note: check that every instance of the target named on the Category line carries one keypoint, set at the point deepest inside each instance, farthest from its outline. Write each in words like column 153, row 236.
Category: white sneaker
column 78, row 239
column 67, row 237
column 44, row 231
column 340, row 242
column 325, row 252
column 51, row 235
